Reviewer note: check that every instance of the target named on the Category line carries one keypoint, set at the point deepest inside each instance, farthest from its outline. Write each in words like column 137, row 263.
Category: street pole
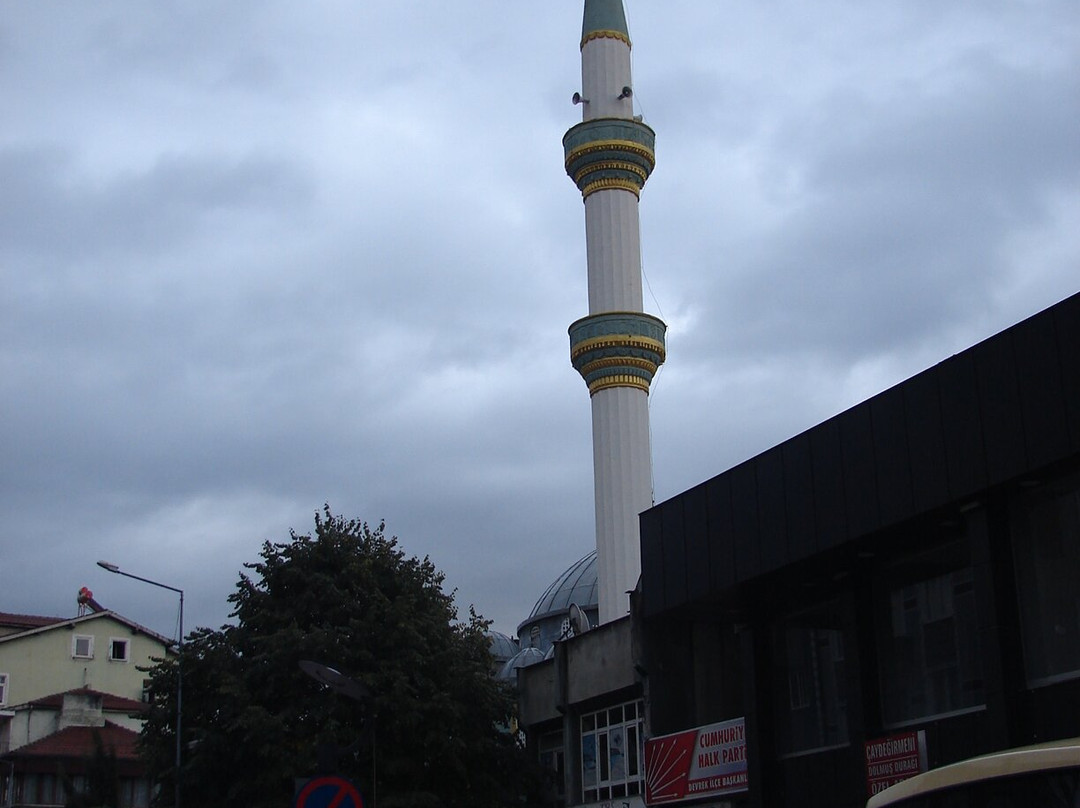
column 105, row 565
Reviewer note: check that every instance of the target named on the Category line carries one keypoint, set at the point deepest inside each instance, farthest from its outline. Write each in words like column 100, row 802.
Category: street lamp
column 105, row 565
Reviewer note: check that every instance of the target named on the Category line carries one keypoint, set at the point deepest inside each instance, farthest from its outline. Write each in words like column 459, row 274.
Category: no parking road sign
column 328, row 791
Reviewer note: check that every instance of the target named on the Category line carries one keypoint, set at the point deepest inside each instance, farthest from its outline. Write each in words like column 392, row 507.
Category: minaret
column 618, row 347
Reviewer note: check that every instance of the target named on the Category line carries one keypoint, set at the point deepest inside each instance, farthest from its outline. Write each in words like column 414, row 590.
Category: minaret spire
column 617, row 347
column 604, row 16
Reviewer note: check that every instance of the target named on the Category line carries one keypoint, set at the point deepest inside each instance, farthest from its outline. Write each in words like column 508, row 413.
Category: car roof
column 1045, row 756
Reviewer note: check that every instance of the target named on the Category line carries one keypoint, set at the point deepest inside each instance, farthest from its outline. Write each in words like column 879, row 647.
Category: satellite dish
column 579, row 621
column 335, row 680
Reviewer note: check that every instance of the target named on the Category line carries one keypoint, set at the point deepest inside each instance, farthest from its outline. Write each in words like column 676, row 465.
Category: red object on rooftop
column 86, row 601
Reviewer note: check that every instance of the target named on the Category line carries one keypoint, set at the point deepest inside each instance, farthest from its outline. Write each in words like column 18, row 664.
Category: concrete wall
column 28, row 725
column 537, row 688
column 586, row 667
column 599, row 662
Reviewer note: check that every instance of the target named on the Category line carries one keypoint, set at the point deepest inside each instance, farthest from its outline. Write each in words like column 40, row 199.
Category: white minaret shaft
column 617, row 348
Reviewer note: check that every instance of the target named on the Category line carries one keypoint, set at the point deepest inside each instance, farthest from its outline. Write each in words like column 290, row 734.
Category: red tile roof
column 28, row 621
column 109, row 702
column 78, row 742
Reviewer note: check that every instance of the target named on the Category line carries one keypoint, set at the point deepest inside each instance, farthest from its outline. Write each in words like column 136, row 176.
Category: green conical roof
column 604, row 15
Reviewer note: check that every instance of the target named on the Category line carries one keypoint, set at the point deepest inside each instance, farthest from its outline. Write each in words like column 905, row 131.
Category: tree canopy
column 350, row 598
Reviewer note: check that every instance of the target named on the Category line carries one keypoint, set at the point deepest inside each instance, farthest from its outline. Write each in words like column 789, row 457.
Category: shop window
column 811, row 681
column 82, row 647
column 1046, row 531
column 612, row 753
column 931, row 658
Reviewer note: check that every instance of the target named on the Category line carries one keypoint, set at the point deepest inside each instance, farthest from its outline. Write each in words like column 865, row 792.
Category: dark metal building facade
column 910, row 564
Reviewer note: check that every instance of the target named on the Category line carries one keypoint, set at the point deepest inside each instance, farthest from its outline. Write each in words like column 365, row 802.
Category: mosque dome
column 549, row 619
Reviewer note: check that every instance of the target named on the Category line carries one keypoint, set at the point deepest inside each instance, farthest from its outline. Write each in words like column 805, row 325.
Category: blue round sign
column 329, row 791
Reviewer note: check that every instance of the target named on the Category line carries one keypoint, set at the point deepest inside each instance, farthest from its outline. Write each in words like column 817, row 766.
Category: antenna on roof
column 579, row 621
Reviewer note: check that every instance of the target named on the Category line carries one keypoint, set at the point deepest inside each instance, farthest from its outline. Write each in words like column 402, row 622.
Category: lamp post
column 105, row 565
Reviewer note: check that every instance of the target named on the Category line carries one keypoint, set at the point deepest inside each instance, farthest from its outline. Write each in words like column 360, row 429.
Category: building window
column 82, row 647
column 3, row 689
column 811, row 684
column 134, row 792
column 42, row 789
column 118, row 650
column 931, row 657
column 552, row 764
column 1046, row 530
column 613, row 752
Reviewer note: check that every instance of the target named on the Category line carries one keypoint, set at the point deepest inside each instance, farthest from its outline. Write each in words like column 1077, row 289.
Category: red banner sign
column 704, row 762
column 890, row 760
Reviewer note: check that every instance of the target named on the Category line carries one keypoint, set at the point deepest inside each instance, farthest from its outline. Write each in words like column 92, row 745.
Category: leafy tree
column 350, row 598
column 101, row 788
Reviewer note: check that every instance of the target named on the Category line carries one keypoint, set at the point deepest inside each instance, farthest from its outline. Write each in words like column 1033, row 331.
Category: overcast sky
column 259, row 256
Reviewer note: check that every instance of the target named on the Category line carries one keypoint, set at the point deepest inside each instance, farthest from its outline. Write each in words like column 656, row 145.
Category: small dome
column 524, row 658
column 501, row 647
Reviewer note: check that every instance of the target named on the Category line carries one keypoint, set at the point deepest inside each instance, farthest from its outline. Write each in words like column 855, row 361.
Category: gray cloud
column 256, row 258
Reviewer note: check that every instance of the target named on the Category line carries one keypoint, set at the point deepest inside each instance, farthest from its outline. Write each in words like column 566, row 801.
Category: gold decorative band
column 611, row 185
column 610, row 145
column 622, row 362
column 608, row 382
column 611, row 165
column 608, row 34
column 617, row 341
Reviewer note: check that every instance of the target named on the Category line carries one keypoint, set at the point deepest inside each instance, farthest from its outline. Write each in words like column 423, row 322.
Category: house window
column 811, row 681
column 931, row 655
column 82, row 647
column 118, row 650
column 42, row 789
column 612, row 752
column 3, row 689
column 1046, row 545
